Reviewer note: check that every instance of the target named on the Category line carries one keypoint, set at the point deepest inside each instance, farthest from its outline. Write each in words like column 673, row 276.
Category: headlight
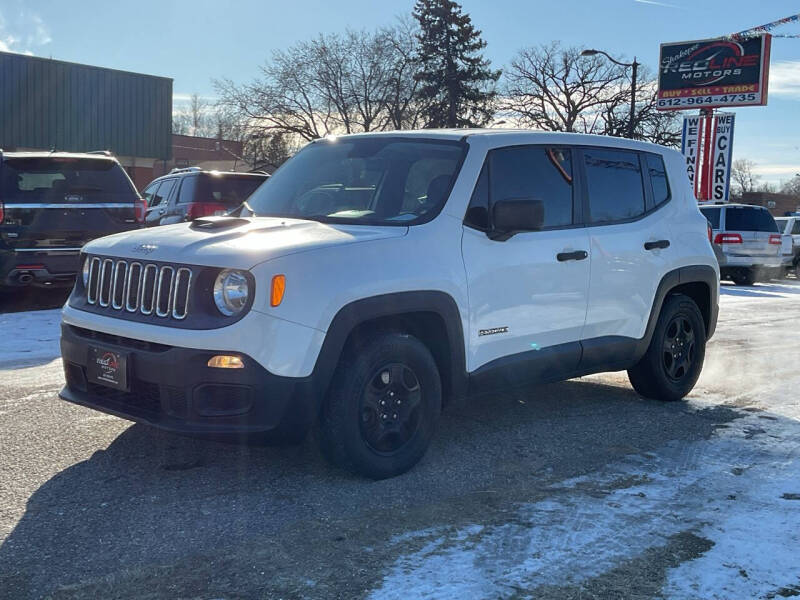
column 85, row 272
column 231, row 292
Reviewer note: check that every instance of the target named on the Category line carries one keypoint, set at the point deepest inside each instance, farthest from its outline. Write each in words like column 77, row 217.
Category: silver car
column 746, row 241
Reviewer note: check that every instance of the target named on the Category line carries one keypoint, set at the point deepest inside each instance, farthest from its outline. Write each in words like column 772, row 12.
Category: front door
column 528, row 294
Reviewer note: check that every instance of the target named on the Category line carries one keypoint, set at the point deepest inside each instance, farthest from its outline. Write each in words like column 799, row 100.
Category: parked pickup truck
column 376, row 277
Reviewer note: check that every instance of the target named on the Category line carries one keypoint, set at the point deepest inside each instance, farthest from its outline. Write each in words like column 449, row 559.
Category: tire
column 744, row 277
column 355, row 433
column 797, row 271
column 673, row 361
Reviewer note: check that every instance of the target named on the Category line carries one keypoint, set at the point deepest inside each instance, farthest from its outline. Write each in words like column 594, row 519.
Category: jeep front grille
column 146, row 288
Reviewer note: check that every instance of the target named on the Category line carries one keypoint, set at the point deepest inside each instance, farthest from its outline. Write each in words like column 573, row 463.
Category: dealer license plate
column 108, row 367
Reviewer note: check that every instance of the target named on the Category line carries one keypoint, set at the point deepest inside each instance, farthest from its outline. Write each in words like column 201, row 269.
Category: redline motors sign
column 713, row 73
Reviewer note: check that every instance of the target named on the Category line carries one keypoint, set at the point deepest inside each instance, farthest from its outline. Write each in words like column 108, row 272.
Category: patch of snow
column 588, row 527
column 28, row 338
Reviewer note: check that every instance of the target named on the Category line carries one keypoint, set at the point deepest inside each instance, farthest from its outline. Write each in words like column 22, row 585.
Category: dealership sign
column 714, row 73
column 690, row 147
column 722, row 150
column 711, row 176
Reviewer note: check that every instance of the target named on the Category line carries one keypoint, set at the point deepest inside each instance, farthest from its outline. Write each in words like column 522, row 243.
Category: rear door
column 60, row 202
column 627, row 212
column 755, row 225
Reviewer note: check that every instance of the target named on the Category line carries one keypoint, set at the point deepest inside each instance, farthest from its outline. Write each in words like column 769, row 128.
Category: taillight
column 728, row 238
column 195, row 210
column 139, row 209
column 775, row 238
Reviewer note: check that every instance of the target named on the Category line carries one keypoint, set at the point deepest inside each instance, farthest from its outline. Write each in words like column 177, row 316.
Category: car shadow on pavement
column 155, row 514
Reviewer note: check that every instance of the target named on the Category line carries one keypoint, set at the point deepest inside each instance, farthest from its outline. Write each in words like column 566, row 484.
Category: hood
column 248, row 243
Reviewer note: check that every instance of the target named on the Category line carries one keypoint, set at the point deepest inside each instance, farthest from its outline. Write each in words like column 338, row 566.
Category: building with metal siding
column 46, row 104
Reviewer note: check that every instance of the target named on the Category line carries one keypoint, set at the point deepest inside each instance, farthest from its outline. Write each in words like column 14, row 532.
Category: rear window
column 230, row 190
column 712, row 215
column 64, row 179
column 745, row 218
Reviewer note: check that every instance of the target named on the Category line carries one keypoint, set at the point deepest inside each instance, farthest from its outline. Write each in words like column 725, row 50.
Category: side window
column 658, row 178
column 614, row 184
column 534, row 173
column 150, row 192
column 162, row 195
column 712, row 214
column 796, row 227
column 188, row 186
column 478, row 210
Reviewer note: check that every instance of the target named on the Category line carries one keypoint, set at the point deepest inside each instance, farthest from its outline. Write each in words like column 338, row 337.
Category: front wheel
column 382, row 408
column 673, row 361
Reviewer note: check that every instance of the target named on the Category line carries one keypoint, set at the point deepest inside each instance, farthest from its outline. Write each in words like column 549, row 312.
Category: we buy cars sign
column 714, row 73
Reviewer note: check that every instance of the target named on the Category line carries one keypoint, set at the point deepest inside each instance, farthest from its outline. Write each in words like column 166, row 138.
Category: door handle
column 657, row 245
column 576, row 255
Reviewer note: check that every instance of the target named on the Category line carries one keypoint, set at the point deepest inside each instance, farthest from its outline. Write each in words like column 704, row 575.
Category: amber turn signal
column 226, row 361
column 278, row 288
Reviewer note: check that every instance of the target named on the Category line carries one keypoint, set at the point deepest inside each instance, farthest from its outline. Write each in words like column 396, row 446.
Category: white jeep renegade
column 375, row 277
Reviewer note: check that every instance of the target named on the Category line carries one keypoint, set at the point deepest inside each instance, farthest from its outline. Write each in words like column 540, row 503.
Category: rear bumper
column 173, row 389
column 769, row 261
column 51, row 267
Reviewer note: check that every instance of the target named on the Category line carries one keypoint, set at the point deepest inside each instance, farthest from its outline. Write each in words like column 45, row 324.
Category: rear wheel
column 744, row 277
column 673, row 361
column 381, row 412
column 797, row 270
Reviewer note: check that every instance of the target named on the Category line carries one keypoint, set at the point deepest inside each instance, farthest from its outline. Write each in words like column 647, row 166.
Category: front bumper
column 46, row 268
column 173, row 388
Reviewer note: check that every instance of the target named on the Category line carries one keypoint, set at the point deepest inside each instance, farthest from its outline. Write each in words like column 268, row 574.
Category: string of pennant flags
column 767, row 28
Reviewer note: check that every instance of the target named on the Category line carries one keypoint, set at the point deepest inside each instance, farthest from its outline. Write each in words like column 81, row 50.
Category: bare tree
column 554, row 88
column 743, row 177
column 792, row 186
column 336, row 83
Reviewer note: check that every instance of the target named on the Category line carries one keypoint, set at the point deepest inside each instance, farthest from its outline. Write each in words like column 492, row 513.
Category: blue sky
column 196, row 41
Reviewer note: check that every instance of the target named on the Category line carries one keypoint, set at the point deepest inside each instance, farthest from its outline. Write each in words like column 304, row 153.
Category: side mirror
column 510, row 217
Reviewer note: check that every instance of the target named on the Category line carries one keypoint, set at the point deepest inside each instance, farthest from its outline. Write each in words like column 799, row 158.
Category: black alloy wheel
column 390, row 408
column 678, row 348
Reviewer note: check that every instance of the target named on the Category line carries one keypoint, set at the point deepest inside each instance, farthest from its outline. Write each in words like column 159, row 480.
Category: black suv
column 51, row 204
column 190, row 193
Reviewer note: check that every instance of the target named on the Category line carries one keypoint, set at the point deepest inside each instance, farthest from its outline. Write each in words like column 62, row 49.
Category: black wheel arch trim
column 394, row 305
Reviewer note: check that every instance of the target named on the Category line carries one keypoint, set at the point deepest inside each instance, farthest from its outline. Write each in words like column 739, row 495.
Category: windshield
column 64, row 179
column 362, row 180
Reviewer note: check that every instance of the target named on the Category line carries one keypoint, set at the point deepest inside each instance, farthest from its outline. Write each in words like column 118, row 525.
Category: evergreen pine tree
column 456, row 81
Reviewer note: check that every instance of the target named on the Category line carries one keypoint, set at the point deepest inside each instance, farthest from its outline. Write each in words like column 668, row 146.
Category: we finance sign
column 713, row 73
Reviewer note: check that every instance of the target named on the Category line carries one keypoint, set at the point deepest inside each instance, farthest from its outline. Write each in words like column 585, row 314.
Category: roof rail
column 185, row 170
column 103, row 152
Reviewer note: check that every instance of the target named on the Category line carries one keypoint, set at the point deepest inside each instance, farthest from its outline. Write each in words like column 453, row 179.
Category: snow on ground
column 28, row 338
column 738, row 492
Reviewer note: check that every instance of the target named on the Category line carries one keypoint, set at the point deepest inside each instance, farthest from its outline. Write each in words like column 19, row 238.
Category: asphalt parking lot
column 572, row 490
